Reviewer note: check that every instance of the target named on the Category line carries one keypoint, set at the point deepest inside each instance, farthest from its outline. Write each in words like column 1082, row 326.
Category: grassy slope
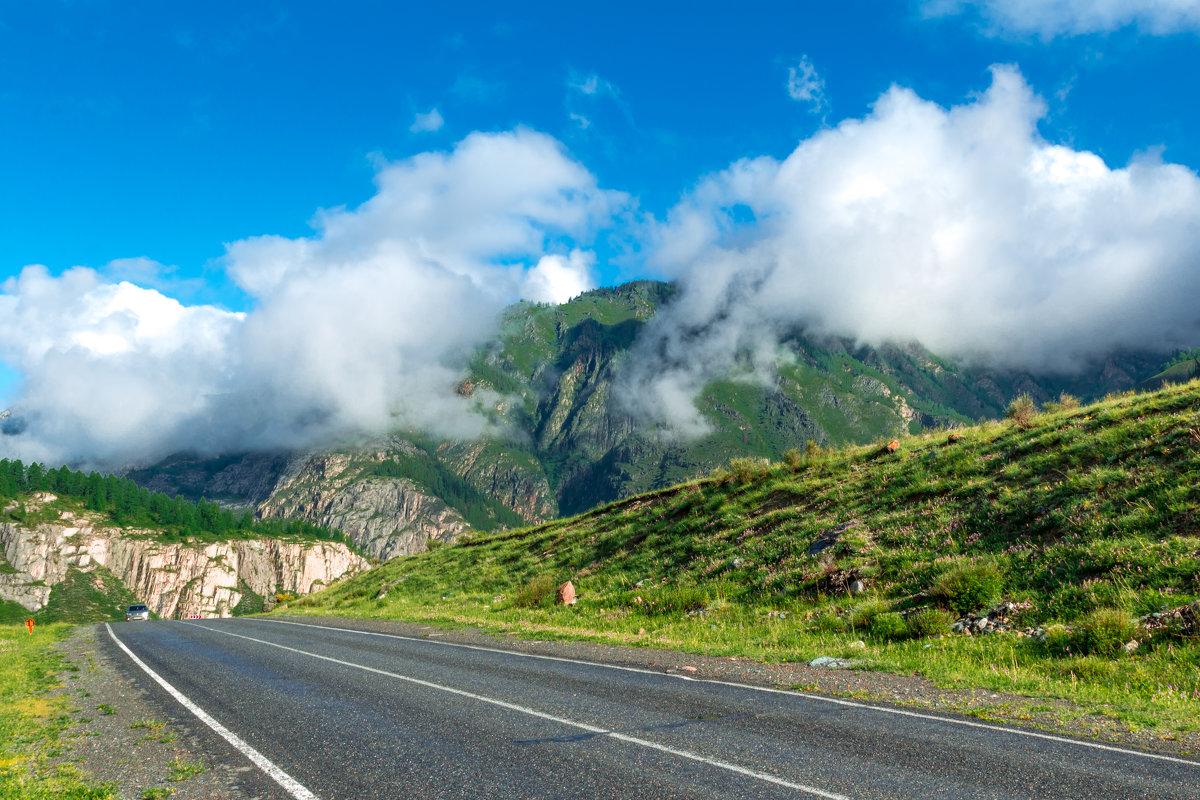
column 1087, row 509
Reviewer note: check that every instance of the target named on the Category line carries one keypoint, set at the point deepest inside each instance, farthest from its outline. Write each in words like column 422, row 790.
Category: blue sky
column 139, row 139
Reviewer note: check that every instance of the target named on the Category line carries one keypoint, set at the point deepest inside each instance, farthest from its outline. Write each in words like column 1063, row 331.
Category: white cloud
column 804, row 85
column 1050, row 18
column 557, row 279
column 428, row 122
column 363, row 326
column 961, row 228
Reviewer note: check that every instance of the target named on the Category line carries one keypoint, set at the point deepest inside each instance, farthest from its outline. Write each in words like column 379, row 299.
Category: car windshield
column 137, row 608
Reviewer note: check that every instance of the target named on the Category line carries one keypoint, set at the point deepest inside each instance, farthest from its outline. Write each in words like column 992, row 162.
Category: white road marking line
column 822, row 698
column 290, row 784
column 725, row 765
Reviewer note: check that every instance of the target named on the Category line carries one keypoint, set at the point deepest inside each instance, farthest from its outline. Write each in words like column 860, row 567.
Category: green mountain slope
column 571, row 446
column 1068, row 543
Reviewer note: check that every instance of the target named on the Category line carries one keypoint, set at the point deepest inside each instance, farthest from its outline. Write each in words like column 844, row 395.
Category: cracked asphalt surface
column 354, row 714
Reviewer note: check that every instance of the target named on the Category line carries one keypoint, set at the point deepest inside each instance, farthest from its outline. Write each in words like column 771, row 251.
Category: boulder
column 565, row 595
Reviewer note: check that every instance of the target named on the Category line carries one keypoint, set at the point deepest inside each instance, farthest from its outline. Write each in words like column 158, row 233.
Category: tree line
column 130, row 505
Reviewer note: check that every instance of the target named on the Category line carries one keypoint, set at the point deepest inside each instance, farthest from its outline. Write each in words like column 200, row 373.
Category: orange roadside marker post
column 29, row 624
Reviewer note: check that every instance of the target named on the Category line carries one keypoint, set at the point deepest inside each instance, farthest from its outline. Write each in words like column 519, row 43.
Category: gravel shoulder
column 128, row 731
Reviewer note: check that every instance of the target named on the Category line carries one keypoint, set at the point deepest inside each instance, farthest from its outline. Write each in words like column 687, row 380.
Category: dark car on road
column 137, row 612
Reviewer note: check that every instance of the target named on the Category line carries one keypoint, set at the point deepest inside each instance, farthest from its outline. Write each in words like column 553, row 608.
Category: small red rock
column 566, row 594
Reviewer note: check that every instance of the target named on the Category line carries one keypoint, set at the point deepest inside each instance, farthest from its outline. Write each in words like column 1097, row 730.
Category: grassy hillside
column 1066, row 524
column 550, row 381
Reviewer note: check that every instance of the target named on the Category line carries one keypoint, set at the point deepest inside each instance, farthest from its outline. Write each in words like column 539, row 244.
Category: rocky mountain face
column 569, row 446
column 386, row 517
column 176, row 580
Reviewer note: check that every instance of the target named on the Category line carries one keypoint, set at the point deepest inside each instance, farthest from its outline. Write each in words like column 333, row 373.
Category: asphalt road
column 356, row 715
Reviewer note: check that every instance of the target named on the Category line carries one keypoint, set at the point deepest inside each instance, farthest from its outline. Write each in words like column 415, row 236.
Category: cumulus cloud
column 1050, row 18
column 363, row 326
column 429, row 122
column 961, row 228
column 557, row 279
column 804, row 85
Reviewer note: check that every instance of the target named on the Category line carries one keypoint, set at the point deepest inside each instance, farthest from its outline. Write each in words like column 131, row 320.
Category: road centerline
column 686, row 754
column 1049, row 737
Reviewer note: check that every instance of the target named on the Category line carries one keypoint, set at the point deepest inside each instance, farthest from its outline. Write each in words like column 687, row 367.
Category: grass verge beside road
column 32, row 720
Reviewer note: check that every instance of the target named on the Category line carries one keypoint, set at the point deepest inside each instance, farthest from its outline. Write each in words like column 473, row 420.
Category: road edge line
column 289, row 784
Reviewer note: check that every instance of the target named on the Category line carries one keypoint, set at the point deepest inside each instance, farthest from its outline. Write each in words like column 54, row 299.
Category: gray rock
column 829, row 662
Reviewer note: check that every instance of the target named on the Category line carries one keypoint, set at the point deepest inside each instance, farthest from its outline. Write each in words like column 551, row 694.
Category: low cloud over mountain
column 961, row 228
column 958, row 227
column 366, row 324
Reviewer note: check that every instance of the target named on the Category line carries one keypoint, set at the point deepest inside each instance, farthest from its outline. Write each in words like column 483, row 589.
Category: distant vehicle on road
column 137, row 612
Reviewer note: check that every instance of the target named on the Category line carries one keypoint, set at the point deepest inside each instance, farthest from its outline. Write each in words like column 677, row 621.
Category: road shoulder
column 126, row 731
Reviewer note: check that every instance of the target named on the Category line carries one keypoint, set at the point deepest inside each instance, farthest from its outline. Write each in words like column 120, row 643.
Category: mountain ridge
column 571, row 444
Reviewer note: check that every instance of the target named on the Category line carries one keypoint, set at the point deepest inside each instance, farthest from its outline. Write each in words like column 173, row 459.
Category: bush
column 929, row 622
column 794, row 459
column 674, row 600
column 1065, row 402
column 747, row 469
column 1103, row 632
column 1022, row 410
column 889, row 625
column 829, row 623
column 536, row 591
column 863, row 616
column 968, row 587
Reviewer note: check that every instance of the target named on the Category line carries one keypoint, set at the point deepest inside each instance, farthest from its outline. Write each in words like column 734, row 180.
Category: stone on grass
column 566, row 594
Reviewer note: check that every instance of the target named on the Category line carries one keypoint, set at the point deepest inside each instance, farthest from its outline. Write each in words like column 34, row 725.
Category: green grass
column 32, row 722
column 86, row 597
column 179, row 771
column 1082, row 516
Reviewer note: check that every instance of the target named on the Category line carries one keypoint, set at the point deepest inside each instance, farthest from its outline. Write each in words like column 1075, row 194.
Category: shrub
column 1058, row 640
column 863, row 616
column 929, row 622
column 675, row 600
column 829, row 623
column 747, row 469
column 794, row 459
column 1104, row 632
column 968, row 587
column 536, row 591
column 1065, row 402
column 1022, row 410
column 889, row 625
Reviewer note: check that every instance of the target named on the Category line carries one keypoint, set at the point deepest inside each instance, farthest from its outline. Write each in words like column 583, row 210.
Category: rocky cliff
column 176, row 580
column 386, row 517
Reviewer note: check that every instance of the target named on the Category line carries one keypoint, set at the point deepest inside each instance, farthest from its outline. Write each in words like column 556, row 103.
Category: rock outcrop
column 175, row 579
column 386, row 517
